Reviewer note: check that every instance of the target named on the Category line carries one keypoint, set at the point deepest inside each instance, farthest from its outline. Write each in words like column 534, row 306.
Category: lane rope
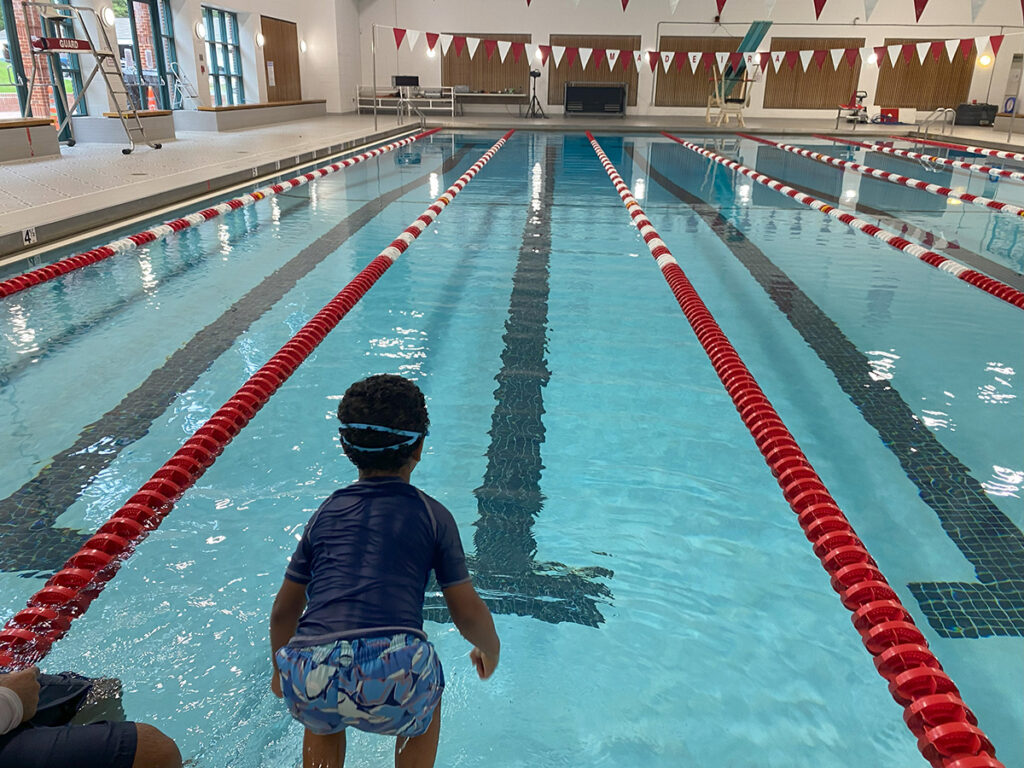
column 29, row 634
column 1000, row 153
column 139, row 239
column 895, row 178
column 990, row 285
column 946, row 729
column 1003, row 172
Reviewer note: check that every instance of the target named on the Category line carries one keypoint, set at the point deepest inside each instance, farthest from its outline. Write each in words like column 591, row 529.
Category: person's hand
column 485, row 663
column 25, row 683
column 275, row 684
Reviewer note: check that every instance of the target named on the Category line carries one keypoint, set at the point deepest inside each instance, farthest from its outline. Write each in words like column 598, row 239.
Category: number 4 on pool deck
column 28, row 236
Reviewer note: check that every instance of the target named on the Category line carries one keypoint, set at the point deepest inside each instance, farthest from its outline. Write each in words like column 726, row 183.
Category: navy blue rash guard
column 365, row 558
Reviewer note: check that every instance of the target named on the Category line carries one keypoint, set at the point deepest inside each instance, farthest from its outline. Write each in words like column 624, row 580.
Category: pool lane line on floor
column 900, row 651
column 892, row 178
column 930, row 240
column 30, row 542
column 987, row 151
column 986, row 536
column 30, row 633
column 509, row 501
column 915, row 156
column 1000, row 290
column 131, row 242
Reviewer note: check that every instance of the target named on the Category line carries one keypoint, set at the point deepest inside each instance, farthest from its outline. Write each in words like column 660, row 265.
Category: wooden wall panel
column 817, row 88
column 925, row 86
column 681, row 87
column 281, row 46
column 625, row 72
column 487, row 75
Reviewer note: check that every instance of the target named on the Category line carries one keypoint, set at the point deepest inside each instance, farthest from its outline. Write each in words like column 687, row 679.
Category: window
column 166, row 37
column 225, row 59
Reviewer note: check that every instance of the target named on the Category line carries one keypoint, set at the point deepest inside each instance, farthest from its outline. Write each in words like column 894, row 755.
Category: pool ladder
column 946, row 115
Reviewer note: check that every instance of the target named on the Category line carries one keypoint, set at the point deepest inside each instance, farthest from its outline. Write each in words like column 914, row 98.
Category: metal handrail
column 945, row 114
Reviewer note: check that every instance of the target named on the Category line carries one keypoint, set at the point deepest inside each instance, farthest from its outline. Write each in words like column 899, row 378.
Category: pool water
column 657, row 602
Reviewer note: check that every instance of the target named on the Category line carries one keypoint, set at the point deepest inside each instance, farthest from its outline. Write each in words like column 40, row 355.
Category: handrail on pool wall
column 71, row 263
column 1000, row 153
column 894, row 178
column 905, row 153
column 988, row 284
column 29, row 634
column 946, row 729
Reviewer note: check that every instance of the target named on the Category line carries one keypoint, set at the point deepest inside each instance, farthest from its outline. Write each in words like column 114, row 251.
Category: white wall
column 315, row 22
column 792, row 18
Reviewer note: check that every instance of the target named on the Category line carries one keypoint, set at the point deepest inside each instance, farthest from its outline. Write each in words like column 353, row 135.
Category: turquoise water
column 657, row 602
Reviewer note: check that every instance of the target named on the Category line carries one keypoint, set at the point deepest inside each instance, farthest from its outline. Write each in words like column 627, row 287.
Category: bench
column 107, row 129
column 236, row 116
column 23, row 138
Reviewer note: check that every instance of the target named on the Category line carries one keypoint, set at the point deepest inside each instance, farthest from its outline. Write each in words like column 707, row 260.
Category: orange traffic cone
column 152, row 99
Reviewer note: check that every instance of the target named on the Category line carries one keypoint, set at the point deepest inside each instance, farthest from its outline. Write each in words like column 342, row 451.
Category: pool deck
column 94, row 185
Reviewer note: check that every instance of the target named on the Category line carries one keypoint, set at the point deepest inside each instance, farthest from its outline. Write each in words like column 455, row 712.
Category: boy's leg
column 420, row 751
column 327, row 751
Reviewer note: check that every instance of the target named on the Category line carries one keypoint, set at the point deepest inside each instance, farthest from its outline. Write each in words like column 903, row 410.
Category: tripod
column 535, row 109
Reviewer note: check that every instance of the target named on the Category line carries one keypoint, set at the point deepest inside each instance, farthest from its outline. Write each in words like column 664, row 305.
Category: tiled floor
column 91, row 177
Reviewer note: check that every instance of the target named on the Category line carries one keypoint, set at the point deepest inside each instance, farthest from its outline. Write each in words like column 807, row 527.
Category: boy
column 346, row 630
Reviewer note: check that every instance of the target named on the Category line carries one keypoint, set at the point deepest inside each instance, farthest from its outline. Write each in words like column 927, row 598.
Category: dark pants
column 97, row 745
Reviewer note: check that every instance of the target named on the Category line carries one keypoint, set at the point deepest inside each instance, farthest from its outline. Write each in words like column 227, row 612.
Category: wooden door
column 281, row 59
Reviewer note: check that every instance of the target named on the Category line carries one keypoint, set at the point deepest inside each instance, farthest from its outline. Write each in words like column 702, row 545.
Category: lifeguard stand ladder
column 51, row 44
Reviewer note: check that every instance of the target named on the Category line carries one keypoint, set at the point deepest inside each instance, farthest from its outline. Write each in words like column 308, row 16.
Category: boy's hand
column 485, row 664
column 275, row 684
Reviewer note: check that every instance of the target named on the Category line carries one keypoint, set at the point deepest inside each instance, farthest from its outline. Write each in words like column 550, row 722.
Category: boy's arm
column 473, row 620
column 284, row 618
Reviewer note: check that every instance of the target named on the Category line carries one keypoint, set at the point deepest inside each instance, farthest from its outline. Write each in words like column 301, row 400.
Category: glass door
column 142, row 40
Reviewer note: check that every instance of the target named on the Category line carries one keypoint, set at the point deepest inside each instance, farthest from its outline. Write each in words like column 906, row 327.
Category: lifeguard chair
column 730, row 95
column 854, row 111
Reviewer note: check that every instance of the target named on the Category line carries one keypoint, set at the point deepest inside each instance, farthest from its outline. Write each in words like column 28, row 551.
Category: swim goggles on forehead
column 413, row 436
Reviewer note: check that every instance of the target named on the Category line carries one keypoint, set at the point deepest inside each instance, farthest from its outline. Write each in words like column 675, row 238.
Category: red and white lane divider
column 1000, row 153
column 994, row 287
column 139, row 239
column 1015, row 175
column 946, row 729
column 30, row 633
column 895, row 178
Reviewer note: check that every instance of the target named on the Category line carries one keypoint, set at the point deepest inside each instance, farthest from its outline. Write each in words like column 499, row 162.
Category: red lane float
column 894, row 178
column 28, row 635
column 62, row 267
column 1015, row 175
column 1000, row 153
column 933, row 710
column 990, row 285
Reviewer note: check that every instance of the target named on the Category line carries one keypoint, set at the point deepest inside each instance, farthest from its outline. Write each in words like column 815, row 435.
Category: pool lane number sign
column 29, row 237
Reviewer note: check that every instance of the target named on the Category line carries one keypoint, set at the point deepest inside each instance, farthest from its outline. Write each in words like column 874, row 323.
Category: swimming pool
column 657, row 602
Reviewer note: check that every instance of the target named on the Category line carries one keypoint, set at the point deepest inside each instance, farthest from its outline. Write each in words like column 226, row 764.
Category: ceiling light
column 107, row 14
column 200, row 30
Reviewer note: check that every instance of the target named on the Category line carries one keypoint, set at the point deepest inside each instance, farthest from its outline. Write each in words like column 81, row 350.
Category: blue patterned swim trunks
column 385, row 685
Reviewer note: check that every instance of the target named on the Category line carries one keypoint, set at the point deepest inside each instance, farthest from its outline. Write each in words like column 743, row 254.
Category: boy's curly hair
column 384, row 400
